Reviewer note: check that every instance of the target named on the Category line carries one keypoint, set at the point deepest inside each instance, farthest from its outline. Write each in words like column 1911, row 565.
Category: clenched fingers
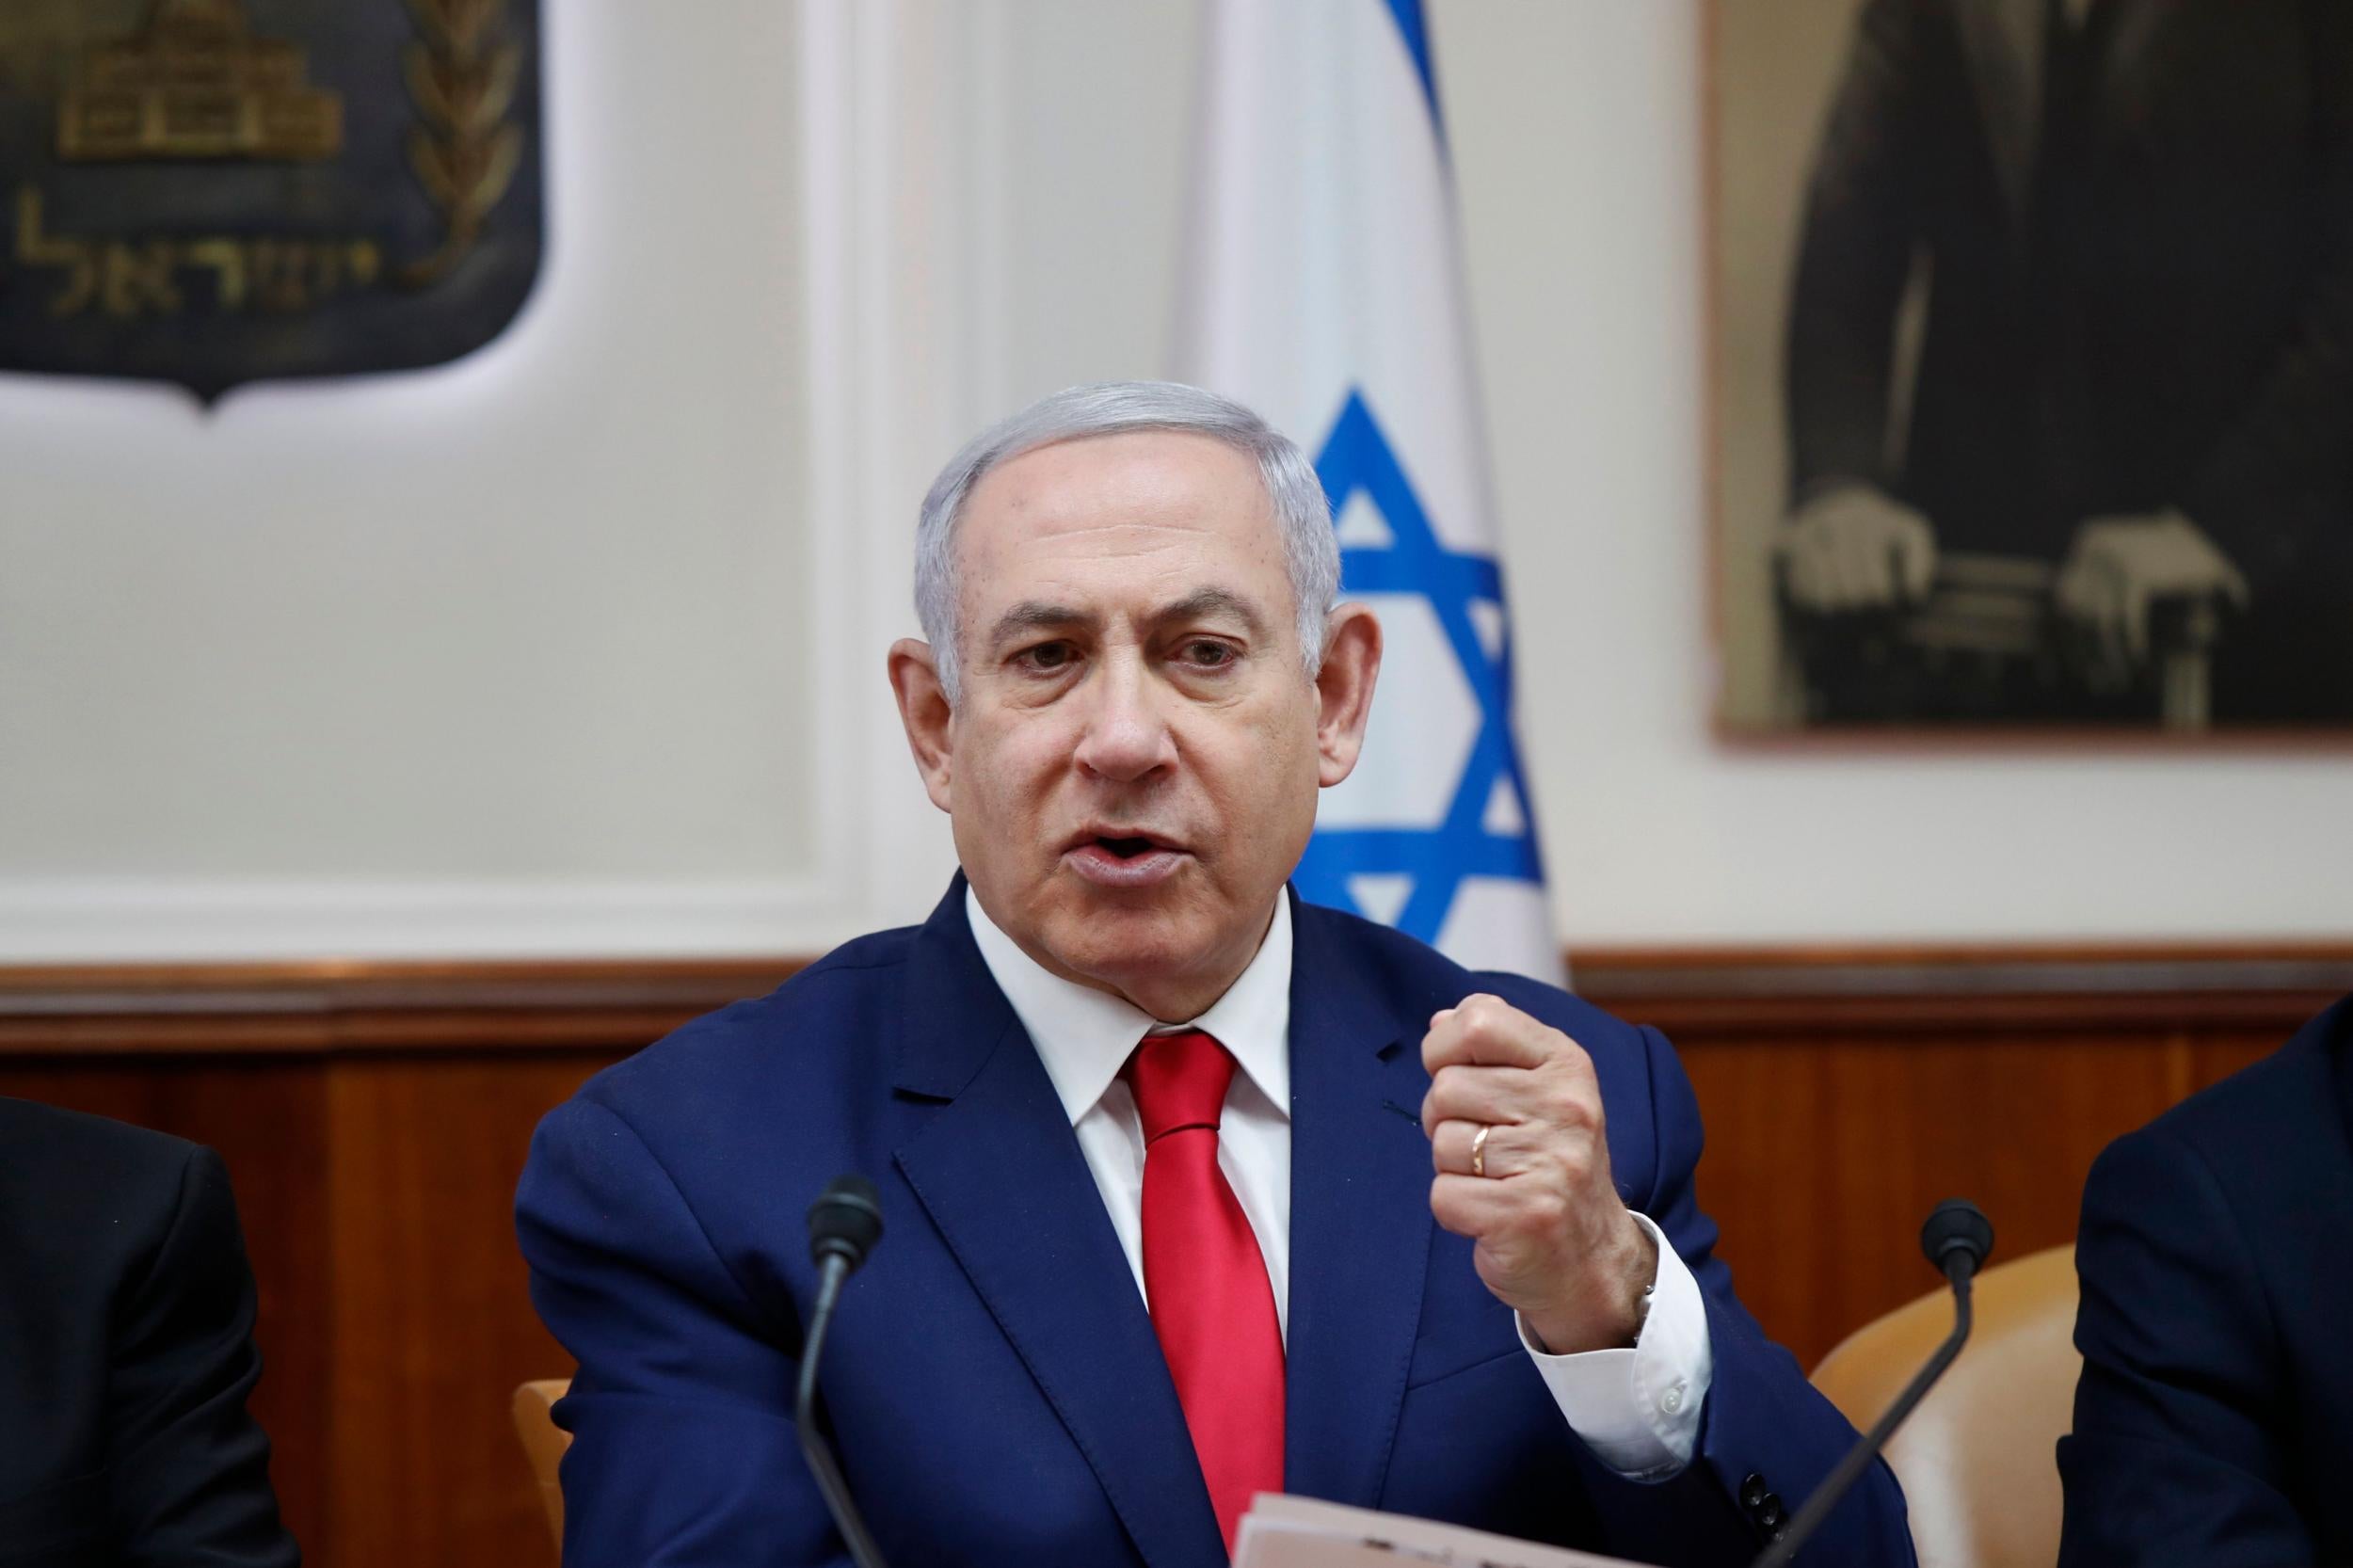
column 1486, row 1030
column 1455, row 1149
column 1481, row 1095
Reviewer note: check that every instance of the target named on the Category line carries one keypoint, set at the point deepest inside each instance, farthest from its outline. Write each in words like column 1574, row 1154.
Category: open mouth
column 1125, row 859
column 1126, row 849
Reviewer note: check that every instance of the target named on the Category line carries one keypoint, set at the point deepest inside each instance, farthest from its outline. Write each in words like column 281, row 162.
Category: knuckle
column 1574, row 1106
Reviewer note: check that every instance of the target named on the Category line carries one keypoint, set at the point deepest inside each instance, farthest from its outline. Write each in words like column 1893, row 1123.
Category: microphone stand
column 836, row 1258
column 1957, row 1238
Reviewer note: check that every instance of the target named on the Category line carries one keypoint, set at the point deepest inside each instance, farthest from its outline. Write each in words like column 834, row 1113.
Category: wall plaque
column 218, row 191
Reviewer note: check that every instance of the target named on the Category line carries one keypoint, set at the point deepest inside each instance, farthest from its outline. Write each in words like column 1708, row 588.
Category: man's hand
column 1854, row 547
column 1554, row 1241
column 2118, row 565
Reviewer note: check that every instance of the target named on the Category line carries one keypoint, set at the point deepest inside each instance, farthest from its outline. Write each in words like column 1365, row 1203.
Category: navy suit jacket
column 2214, row 1424
column 993, row 1380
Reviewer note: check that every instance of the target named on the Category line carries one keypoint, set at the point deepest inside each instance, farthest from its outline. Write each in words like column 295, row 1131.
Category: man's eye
column 1208, row 654
column 1046, row 657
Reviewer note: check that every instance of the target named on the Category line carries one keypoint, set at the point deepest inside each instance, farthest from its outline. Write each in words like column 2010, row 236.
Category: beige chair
column 544, row 1443
column 1978, row 1458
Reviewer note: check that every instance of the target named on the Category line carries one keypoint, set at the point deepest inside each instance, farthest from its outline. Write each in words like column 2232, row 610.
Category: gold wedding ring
column 1478, row 1149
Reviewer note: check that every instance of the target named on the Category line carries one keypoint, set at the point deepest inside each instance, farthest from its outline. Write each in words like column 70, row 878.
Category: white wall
column 500, row 653
column 575, row 646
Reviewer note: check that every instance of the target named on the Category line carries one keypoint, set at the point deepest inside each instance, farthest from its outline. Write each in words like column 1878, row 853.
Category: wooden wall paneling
column 1823, row 1160
column 2216, row 1056
column 433, row 1322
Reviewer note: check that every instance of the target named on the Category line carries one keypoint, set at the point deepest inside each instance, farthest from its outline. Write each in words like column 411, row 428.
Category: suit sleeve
column 2174, row 1457
column 1857, row 236
column 683, row 1448
column 189, row 1466
column 1767, row 1438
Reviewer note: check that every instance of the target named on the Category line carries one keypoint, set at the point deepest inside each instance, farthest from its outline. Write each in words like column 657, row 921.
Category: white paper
column 1301, row 1532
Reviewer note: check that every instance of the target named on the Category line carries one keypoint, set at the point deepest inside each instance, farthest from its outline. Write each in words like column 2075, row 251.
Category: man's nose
column 1127, row 733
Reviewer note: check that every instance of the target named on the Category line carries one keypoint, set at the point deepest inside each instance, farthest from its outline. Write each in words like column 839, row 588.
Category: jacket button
column 1753, row 1491
column 1768, row 1513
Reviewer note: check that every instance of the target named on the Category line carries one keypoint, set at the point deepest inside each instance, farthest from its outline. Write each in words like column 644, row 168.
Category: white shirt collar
column 1085, row 1036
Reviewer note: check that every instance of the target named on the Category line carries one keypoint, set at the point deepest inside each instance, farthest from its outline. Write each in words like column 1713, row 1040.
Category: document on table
column 1300, row 1532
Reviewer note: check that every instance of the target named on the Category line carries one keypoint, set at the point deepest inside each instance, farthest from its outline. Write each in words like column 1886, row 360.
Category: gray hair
column 1311, row 551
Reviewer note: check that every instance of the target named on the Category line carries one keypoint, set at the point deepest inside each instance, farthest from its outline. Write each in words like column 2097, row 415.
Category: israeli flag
column 1325, row 291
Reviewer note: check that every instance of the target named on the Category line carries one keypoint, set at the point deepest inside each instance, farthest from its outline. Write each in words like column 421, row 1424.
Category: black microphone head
column 845, row 1221
column 1957, row 1226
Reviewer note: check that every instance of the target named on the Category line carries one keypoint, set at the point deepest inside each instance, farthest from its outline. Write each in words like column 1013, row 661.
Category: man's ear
column 924, row 713
column 1351, row 663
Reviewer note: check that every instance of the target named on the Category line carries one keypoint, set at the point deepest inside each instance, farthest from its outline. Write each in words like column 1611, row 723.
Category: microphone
column 844, row 1223
column 1956, row 1239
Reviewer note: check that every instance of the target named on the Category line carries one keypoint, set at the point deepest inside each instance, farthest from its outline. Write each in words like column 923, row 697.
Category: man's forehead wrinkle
column 1087, row 530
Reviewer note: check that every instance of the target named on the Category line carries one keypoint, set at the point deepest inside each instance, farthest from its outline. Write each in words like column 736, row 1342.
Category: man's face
column 1132, row 769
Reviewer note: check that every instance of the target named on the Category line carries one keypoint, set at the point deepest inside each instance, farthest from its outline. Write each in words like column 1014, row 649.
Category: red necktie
column 1204, row 1275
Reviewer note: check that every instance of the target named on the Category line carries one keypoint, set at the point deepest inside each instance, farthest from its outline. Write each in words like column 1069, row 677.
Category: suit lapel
column 1000, row 1172
column 2004, row 41
column 1360, row 1217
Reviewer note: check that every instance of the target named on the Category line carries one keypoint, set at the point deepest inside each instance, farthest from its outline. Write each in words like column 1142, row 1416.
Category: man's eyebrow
column 1035, row 614
column 1211, row 601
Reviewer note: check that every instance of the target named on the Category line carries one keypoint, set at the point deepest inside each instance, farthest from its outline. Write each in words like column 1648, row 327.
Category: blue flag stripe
column 1357, row 460
column 1413, row 27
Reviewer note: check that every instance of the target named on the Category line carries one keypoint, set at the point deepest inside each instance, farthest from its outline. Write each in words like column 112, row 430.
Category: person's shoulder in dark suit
column 2214, row 1423
column 126, row 1354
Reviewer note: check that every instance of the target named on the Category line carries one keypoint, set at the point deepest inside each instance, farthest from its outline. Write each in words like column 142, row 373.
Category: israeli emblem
column 211, row 192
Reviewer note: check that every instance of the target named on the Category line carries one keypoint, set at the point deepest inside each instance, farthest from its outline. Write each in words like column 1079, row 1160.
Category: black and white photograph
column 2034, row 354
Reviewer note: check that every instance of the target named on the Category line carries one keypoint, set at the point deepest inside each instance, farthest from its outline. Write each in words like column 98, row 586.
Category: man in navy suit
column 1161, row 1147
column 2214, row 1423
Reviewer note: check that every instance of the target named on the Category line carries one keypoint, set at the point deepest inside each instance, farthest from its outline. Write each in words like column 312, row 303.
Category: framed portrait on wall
column 2033, row 354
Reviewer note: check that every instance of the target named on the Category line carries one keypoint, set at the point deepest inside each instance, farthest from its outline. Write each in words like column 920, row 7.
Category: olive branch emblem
column 462, row 78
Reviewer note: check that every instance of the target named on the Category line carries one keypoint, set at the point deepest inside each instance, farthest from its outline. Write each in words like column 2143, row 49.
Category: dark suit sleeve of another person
column 1856, row 240
column 2172, row 1459
column 1767, row 1437
column 683, row 1447
column 189, row 1468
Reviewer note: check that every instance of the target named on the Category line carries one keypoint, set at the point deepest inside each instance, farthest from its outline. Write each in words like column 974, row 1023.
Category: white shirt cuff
column 1638, row 1409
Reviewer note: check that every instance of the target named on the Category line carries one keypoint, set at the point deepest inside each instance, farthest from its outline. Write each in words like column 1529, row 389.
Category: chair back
column 544, row 1443
column 1978, row 1460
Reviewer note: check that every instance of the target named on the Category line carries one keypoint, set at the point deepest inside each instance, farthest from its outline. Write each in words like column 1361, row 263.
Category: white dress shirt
column 1637, row 1408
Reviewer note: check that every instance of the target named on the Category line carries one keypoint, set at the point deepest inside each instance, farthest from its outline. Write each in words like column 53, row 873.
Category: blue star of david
column 1356, row 456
